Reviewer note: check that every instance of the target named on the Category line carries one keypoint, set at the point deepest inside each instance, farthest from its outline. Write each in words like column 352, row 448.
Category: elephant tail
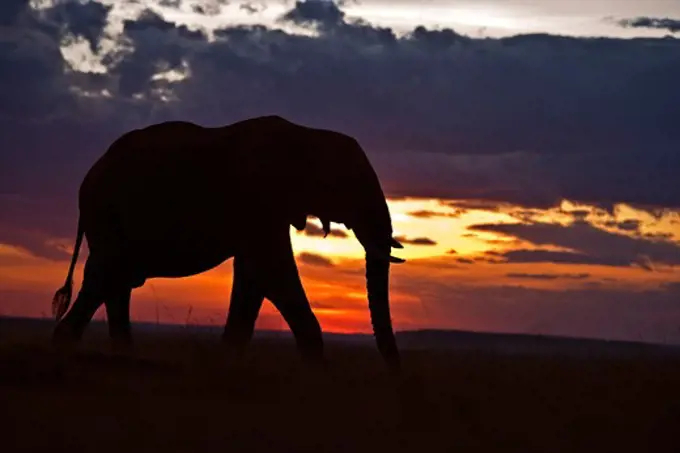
column 62, row 298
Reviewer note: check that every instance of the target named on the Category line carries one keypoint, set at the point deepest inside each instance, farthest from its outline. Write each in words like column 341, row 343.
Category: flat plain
column 179, row 393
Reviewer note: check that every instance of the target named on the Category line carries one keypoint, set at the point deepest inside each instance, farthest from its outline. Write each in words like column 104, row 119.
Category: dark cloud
column 579, row 214
column 671, row 287
column 484, row 205
column 22, row 224
column 11, row 10
column 313, row 259
column 587, row 244
column 322, row 13
column 665, row 23
column 465, row 260
column 149, row 20
column 415, row 241
column 252, row 8
column 85, row 20
column 548, row 256
column 209, row 8
column 625, row 225
column 605, row 311
column 427, row 214
column 170, row 3
column 529, row 119
column 521, row 275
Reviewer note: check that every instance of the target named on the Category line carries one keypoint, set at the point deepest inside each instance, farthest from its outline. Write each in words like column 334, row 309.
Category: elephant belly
column 174, row 246
column 174, row 260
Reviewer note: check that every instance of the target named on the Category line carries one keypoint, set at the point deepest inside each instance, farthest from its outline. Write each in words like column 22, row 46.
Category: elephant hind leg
column 102, row 279
column 117, row 305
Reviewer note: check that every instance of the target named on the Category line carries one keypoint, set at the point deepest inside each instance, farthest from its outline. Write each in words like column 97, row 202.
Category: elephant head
column 337, row 183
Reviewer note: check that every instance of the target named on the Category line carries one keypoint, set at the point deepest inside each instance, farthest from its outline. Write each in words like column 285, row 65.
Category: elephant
column 175, row 199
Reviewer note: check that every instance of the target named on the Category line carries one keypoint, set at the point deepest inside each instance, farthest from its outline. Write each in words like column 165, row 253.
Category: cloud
column 86, row 20
column 322, row 13
column 313, row 259
column 605, row 311
column 548, row 256
column 586, row 244
column 625, row 225
column 415, row 241
column 521, row 275
column 252, row 8
column 170, row 3
column 529, row 119
column 426, row 214
column 39, row 225
column 665, row 23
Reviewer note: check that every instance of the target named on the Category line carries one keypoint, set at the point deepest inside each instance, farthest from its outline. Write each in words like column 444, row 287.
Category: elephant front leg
column 278, row 275
column 244, row 307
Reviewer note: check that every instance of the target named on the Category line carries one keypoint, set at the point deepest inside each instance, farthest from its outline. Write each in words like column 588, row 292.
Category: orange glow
column 445, row 261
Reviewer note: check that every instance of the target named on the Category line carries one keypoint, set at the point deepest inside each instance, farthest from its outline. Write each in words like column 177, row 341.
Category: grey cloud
column 12, row 10
column 86, row 20
column 665, row 23
column 415, row 241
column 209, row 8
column 427, row 214
column 521, row 275
column 252, row 7
column 529, row 119
column 324, row 13
column 619, row 312
column 548, row 256
column 170, row 3
column 313, row 259
column 587, row 244
column 625, row 225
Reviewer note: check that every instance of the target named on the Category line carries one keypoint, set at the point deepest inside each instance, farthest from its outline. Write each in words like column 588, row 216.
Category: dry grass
column 179, row 394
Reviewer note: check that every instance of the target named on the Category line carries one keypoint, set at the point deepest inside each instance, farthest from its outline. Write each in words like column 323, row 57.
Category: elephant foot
column 64, row 338
column 316, row 363
column 235, row 344
column 234, row 352
column 313, row 357
column 123, row 346
column 63, row 334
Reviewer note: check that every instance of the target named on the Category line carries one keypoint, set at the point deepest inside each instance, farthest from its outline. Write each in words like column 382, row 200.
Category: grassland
column 180, row 394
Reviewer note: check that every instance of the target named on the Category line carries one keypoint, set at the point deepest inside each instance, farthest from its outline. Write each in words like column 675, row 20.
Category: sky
column 529, row 149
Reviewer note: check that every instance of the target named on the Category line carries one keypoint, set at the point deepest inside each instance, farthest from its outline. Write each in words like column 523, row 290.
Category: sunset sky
column 530, row 150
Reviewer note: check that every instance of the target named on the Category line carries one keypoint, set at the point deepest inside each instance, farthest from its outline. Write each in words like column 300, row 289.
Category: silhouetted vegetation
column 179, row 393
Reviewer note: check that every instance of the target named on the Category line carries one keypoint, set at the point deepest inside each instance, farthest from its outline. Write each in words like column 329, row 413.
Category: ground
column 180, row 394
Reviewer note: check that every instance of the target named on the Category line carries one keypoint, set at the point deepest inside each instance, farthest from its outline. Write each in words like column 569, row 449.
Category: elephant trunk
column 375, row 235
column 377, row 286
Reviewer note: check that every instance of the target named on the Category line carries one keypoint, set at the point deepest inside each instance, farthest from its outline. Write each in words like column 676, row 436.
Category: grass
column 180, row 394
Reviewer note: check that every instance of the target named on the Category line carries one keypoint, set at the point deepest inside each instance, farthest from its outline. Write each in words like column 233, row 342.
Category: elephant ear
column 295, row 180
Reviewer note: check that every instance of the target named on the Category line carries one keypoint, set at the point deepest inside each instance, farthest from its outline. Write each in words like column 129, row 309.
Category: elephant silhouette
column 176, row 199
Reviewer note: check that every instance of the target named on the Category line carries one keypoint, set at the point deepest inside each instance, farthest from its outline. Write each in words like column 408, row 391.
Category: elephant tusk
column 326, row 227
column 372, row 252
column 396, row 244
